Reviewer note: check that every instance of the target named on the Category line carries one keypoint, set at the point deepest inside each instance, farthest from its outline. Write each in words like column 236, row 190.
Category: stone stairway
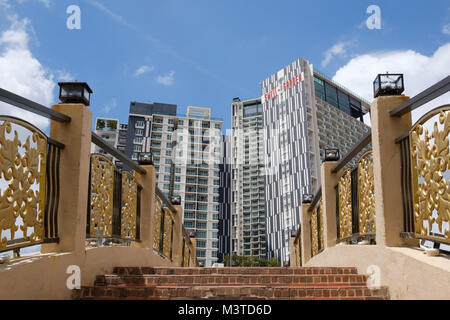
column 232, row 284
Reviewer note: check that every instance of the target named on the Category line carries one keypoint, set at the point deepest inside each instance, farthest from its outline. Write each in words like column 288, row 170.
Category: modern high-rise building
column 303, row 113
column 248, row 179
column 186, row 152
column 114, row 134
column 225, row 198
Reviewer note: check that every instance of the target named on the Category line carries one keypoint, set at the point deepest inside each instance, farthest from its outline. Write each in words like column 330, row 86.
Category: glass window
column 201, row 235
column 181, row 122
column 319, row 88
column 344, row 103
column 201, row 253
column 139, row 132
column 331, row 95
column 137, row 148
column 189, row 215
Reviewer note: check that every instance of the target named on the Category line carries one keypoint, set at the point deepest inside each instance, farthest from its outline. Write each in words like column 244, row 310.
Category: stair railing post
column 74, row 177
column 148, row 204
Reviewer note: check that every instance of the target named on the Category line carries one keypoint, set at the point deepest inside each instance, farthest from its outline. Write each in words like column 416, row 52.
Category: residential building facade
column 248, row 179
column 186, row 154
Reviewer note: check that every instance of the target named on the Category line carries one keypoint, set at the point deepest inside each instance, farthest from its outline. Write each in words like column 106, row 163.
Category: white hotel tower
column 303, row 113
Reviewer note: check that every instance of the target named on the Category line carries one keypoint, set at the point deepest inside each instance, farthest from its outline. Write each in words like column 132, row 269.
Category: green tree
column 243, row 261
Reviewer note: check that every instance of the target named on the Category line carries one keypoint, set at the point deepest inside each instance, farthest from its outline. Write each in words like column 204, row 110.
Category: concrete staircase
column 232, row 284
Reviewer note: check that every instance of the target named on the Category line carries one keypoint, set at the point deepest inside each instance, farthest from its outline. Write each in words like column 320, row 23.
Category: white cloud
column 22, row 74
column 166, row 80
column 64, row 76
column 420, row 72
column 5, row 3
column 112, row 105
column 337, row 50
column 446, row 29
column 143, row 69
column 44, row 2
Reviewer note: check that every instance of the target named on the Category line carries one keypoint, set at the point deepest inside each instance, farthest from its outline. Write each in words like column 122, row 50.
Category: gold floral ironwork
column 157, row 225
column 321, row 231
column 429, row 165
column 101, row 202
column 298, row 253
column 168, row 226
column 129, row 206
column 314, row 233
column 345, row 205
column 22, row 200
column 186, row 253
column 366, row 190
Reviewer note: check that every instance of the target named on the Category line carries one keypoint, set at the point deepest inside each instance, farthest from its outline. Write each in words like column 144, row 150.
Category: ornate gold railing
column 345, row 205
column 317, row 237
column 114, row 202
column 29, row 182
column 356, row 202
column 163, row 230
column 129, row 206
column 366, row 195
column 430, row 175
column 101, row 197
column 186, row 251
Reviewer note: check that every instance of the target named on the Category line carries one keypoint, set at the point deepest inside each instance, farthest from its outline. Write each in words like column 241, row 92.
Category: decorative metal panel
column 314, row 233
column 429, row 165
column 157, row 225
column 101, row 199
column 186, row 253
column 23, row 156
column 345, row 205
column 298, row 254
column 168, row 225
column 321, row 231
column 366, row 192
column 129, row 206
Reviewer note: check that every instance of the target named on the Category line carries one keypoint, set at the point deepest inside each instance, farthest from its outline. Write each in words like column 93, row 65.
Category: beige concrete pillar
column 177, row 249
column 386, row 168
column 74, row 177
column 329, row 181
column 148, row 183
column 305, row 234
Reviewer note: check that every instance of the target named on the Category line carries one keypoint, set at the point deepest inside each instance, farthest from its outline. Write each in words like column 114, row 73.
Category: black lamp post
column 388, row 85
column 175, row 200
column 146, row 159
column 75, row 92
column 332, row 155
column 307, row 198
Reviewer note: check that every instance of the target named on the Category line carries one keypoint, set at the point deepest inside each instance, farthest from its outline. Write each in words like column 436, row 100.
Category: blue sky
column 206, row 52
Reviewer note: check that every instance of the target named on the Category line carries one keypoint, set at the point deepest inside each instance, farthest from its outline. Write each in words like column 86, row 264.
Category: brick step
column 234, row 270
column 247, row 292
column 332, row 280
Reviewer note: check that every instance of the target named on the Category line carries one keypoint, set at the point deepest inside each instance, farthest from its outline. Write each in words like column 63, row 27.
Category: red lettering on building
column 286, row 85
